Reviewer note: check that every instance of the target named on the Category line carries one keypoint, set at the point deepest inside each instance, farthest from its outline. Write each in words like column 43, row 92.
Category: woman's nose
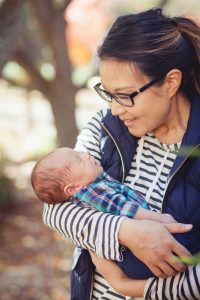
column 116, row 108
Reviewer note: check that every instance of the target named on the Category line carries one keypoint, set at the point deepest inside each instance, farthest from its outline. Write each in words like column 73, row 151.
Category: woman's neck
column 173, row 130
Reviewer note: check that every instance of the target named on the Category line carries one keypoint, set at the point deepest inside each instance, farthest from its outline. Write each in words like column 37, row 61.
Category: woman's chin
column 137, row 132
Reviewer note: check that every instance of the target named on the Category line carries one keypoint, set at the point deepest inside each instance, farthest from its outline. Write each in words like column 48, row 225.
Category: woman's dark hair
column 157, row 44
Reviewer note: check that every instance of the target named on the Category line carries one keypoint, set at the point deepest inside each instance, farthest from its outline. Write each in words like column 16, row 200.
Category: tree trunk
column 21, row 46
column 64, row 112
column 60, row 92
column 10, row 27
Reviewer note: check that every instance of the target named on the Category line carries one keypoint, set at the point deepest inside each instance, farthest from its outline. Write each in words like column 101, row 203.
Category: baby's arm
column 125, row 202
column 145, row 214
column 117, row 279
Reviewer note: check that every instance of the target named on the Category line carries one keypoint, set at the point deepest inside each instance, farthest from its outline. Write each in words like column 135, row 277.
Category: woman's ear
column 173, row 79
column 71, row 189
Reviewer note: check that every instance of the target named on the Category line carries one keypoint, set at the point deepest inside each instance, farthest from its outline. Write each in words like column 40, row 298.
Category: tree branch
column 26, row 62
column 48, row 18
column 53, row 26
column 10, row 26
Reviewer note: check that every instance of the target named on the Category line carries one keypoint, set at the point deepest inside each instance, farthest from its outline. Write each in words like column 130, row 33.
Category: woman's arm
column 117, row 278
column 153, row 244
column 86, row 228
column 185, row 285
column 99, row 233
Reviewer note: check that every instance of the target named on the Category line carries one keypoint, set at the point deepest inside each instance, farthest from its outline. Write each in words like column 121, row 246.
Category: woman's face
column 151, row 108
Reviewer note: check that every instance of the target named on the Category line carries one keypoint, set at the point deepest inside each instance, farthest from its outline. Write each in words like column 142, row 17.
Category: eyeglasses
column 121, row 98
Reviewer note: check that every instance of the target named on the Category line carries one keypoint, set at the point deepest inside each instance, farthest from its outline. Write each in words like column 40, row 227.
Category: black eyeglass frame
column 130, row 96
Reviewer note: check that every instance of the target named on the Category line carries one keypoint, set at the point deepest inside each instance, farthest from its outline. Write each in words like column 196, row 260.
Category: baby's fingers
column 166, row 218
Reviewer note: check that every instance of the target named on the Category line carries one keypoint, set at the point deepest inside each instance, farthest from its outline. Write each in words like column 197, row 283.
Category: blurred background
column 48, row 67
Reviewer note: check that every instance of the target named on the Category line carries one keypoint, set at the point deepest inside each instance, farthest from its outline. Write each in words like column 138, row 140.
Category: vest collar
column 191, row 138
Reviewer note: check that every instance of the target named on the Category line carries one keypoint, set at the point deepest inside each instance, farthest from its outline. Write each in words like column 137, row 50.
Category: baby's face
column 84, row 168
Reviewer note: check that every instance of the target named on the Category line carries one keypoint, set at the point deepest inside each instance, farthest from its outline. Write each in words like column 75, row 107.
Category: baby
column 67, row 175
column 64, row 173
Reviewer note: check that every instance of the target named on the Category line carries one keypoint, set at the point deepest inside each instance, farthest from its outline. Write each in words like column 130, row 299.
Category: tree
column 33, row 34
column 10, row 26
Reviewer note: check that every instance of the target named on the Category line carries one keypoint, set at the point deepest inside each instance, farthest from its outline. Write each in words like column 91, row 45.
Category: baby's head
column 63, row 172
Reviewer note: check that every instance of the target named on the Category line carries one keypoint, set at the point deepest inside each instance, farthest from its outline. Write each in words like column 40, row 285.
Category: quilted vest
column 117, row 149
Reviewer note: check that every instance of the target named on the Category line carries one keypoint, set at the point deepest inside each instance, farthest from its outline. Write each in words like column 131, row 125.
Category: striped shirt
column 109, row 195
column 98, row 231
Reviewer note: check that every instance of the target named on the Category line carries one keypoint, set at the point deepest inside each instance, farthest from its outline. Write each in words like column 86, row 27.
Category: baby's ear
column 71, row 189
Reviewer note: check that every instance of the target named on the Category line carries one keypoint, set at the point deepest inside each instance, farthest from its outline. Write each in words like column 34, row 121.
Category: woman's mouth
column 129, row 122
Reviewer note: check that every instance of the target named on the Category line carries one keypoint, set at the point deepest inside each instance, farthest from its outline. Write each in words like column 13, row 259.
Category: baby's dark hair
column 48, row 182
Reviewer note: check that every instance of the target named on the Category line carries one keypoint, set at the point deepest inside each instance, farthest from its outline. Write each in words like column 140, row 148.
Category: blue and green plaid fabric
column 109, row 195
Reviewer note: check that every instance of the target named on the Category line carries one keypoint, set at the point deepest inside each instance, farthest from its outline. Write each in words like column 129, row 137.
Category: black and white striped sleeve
column 86, row 227
column 185, row 285
column 89, row 138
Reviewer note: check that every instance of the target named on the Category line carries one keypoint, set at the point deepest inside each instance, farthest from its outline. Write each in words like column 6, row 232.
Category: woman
column 150, row 77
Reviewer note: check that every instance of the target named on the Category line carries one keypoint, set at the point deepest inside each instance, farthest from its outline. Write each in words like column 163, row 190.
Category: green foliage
column 193, row 260
column 16, row 73
column 187, row 150
column 48, row 72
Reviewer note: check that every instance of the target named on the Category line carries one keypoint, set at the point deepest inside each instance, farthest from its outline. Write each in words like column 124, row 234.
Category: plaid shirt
column 109, row 195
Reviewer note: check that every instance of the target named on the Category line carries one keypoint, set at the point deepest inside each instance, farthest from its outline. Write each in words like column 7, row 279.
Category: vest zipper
column 91, row 288
column 121, row 157
column 170, row 179
column 123, row 178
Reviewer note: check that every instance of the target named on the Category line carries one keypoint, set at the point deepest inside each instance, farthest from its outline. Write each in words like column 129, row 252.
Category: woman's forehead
column 116, row 74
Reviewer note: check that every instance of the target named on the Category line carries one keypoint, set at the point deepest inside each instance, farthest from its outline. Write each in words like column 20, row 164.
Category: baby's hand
column 144, row 214
column 166, row 218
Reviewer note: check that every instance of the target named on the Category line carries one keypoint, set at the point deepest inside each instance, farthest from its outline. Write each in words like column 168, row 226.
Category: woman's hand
column 153, row 244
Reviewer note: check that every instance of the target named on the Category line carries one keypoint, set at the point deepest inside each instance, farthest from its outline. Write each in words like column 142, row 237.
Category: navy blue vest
column 178, row 204
column 114, row 138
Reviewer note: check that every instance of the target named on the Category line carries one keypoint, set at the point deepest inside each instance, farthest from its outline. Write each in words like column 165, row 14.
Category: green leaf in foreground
column 192, row 260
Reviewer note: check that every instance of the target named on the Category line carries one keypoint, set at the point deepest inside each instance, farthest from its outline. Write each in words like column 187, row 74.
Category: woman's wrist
column 126, row 231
